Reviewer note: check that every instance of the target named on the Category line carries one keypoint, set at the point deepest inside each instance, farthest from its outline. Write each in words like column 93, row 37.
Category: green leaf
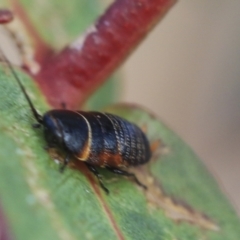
column 42, row 203
column 60, row 22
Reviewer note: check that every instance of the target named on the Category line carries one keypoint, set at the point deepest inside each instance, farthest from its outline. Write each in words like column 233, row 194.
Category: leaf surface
column 60, row 22
column 41, row 203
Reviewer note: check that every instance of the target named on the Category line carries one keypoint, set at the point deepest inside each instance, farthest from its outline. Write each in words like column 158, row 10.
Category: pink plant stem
column 4, row 228
column 73, row 74
column 6, row 16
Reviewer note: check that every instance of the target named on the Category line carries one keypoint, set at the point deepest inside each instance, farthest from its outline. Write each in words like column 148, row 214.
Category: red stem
column 5, row 230
column 6, row 16
column 73, row 74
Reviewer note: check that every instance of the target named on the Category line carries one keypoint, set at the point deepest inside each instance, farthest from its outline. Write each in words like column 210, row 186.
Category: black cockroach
column 98, row 139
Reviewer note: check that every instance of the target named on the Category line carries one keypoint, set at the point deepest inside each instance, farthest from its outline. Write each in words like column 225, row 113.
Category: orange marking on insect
column 84, row 154
column 110, row 160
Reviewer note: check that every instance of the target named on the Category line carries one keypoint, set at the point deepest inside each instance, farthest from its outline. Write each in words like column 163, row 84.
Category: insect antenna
column 37, row 116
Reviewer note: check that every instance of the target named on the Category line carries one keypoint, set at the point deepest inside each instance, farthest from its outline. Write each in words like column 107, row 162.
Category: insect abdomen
column 115, row 142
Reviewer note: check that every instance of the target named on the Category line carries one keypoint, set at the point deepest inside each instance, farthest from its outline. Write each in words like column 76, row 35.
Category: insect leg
column 96, row 173
column 125, row 173
column 65, row 163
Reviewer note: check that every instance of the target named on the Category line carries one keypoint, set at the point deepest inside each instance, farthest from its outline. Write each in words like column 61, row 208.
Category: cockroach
column 98, row 139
